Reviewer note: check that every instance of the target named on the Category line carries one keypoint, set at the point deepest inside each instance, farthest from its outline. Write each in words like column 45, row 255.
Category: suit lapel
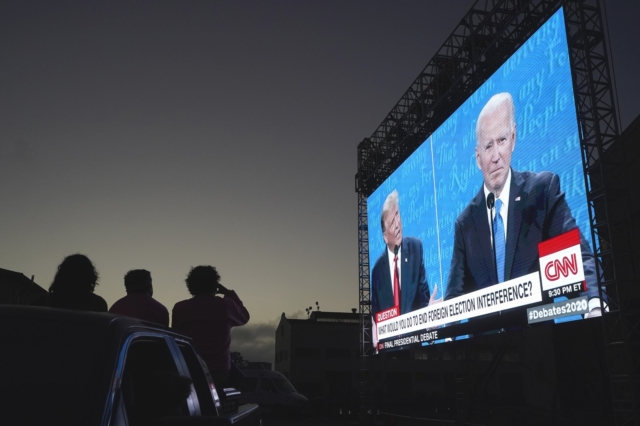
column 405, row 277
column 386, row 296
column 517, row 202
column 481, row 224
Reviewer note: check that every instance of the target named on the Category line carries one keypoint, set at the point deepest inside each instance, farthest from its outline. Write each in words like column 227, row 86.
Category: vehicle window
column 151, row 386
column 283, row 385
column 267, row 385
column 248, row 384
column 201, row 384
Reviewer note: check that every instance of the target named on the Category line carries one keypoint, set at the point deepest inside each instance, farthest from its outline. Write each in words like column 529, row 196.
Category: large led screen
column 485, row 226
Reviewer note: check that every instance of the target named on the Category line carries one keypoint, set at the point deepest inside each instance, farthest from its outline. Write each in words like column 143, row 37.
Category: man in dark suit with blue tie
column 529, row 208
column 399, row 277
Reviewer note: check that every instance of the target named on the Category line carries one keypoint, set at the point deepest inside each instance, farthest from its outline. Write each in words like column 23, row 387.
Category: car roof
column 82, row 347
column 97, row 320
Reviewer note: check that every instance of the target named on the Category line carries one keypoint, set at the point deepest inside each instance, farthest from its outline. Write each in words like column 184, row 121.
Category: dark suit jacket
column 414, row 290
column 537, row 211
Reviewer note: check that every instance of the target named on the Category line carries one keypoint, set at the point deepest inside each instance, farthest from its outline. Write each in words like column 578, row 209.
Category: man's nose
column 495, row 154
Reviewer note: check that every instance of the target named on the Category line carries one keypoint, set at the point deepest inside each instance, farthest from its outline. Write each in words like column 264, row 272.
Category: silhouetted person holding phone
column 139, row 303
column 208, row 319
column 73, row 286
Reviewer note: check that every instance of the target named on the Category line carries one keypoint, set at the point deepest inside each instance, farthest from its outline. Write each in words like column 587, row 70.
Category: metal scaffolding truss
column 484, row 39
column 487, row 35
column 607, row 195
column 366, row 341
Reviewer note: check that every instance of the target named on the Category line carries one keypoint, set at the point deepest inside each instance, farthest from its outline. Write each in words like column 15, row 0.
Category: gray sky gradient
column 166, row 134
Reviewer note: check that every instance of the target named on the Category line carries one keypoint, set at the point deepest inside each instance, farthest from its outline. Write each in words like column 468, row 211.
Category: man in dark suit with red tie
column 529, row 208
column 398, row 277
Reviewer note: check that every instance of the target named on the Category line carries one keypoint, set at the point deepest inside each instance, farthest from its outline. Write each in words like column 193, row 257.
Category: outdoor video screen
column 486, row 226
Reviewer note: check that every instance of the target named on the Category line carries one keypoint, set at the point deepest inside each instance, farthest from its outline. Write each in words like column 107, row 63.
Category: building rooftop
column 321, row 316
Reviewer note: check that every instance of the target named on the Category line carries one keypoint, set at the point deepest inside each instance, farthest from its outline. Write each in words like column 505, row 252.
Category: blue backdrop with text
column 440, row 178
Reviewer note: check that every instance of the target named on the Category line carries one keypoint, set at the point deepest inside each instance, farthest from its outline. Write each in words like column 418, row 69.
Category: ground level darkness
column 500, row 419
column 308, row 421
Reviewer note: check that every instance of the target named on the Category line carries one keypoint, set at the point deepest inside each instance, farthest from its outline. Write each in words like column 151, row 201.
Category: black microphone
column 491, row 201
column 395, row 249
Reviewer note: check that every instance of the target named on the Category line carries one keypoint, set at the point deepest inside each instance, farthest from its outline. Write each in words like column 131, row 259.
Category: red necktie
column 396, row 282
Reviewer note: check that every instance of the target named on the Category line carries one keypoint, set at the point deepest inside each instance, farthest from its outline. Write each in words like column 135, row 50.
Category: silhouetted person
column 73, row 286
column 208, row 319
column 139, row 303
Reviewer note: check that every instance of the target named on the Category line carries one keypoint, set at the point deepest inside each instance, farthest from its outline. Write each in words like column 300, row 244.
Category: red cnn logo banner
column 561, row 260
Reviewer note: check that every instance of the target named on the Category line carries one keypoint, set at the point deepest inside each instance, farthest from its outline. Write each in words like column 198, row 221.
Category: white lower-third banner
column 510, row 294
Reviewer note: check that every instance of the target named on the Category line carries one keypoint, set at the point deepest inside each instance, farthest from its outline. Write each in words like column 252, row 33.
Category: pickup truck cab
column 60, row 367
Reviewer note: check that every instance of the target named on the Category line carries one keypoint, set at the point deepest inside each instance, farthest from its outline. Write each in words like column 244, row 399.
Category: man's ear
column 478, row 158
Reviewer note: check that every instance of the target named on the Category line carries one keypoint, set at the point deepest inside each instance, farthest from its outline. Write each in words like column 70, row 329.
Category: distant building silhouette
column 16, row 289
column 321, row 358
column 320, row 355
column 238, row 360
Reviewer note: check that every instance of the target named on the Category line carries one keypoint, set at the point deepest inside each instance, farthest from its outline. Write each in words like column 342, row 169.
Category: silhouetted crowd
column 206, row 318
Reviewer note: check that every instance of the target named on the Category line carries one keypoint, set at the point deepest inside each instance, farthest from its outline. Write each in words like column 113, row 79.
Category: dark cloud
column 256, row 342
column 297, row 315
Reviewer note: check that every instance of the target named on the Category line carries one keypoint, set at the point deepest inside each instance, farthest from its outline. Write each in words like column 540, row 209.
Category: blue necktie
column 498, row 240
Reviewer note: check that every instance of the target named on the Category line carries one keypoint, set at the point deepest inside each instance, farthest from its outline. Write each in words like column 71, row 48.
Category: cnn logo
column 561, row 260
column 557, row 268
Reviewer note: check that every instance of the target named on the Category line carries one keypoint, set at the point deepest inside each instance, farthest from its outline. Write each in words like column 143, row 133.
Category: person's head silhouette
column 76, row 274
column 138, row 281
column 203, row 279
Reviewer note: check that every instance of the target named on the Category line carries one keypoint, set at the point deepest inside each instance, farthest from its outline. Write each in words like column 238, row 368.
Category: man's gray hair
column 493, row 104
column 389, row 203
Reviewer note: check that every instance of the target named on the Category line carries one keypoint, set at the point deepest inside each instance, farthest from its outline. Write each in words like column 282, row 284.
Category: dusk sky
column 169, row 134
